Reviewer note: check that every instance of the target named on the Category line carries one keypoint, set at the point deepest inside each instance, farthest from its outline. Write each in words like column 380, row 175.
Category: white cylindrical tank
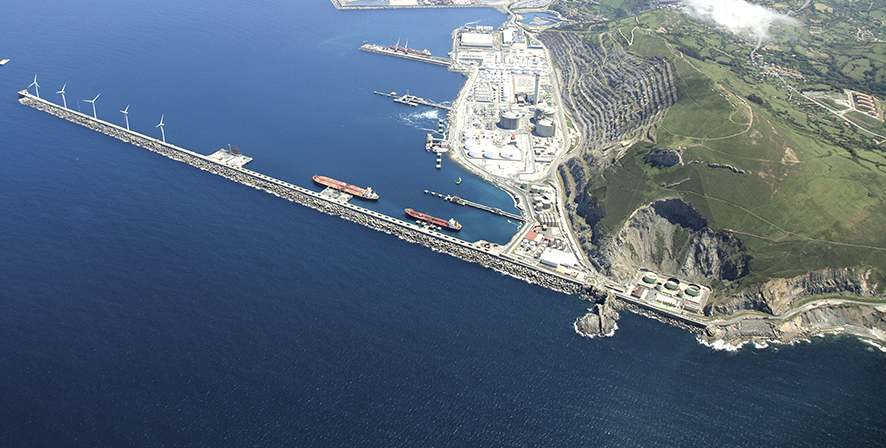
column 490, row 153
column 544, row 128
column 509, row 120
column 510, row 153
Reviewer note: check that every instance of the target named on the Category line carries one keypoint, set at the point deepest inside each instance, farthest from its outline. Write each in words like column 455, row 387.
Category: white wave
column 721, row 345
column 592, row 336
column 738, row 16
column 876, row 344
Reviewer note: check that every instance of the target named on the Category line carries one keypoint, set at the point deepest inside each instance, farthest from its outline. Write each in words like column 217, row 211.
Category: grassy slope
column 805, row 203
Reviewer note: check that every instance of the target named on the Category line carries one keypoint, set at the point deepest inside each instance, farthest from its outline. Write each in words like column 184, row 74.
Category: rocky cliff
column 670, row 236
column 779, row 295
column 865, row 321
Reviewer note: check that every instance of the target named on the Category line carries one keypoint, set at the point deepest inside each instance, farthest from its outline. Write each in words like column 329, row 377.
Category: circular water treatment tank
column 693, row 291
column 672, row 284
column 650, row 278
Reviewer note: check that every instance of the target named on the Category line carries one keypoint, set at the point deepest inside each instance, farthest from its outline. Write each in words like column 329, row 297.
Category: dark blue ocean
column 144, row 302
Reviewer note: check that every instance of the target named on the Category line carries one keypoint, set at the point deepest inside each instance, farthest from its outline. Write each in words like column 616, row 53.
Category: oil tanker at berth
column 363, row 193
column 452, row 224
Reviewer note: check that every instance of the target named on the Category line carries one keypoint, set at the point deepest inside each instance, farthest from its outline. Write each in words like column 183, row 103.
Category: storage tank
column 490, row 153
column 510, row 153
column 509, row 120
column 693, row 291
column 672, row 284
column 473, row 149
column 650, row 278
column 542, row 112
column 544, row 128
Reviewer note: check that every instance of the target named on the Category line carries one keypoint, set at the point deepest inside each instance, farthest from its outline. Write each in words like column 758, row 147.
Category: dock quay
column 378, row 49
column 412, row 100
column 459, row 201
column 477, row 252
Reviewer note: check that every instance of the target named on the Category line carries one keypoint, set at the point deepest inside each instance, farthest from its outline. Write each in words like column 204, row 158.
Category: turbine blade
column 96, row 97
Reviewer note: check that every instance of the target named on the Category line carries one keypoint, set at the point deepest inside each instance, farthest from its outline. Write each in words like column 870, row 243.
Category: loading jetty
column 378, row 49
column 412, row 100
column 460, row 201
column 477, row 252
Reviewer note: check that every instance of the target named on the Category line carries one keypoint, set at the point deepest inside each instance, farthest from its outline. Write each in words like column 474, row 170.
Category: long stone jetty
column 473, row 252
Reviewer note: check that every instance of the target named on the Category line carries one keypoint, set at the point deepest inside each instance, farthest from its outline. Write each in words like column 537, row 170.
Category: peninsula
column 645, row 178
column 630, row 157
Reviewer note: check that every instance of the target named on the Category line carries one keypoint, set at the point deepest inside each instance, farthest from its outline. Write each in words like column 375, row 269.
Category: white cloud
column 738, row 16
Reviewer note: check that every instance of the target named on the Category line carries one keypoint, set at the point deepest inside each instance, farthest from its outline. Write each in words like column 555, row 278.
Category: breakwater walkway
column 378, row 49
column 474, row 252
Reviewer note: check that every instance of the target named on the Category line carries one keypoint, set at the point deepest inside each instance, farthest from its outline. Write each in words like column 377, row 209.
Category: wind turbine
column 126, row 116
column 62, row 91
column 93, row 105
column 161, row 128
column 36, row 86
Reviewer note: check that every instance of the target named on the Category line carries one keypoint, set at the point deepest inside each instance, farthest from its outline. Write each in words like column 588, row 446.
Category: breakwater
column 378, row 49
column 475, row 253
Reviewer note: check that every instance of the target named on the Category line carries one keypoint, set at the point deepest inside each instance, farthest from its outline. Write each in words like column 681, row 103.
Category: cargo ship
column 363, row 193
column 452, row 224
column 407, row 50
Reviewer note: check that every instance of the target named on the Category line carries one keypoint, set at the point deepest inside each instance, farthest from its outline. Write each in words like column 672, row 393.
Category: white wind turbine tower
column 62, row 91
column 161, row 128
column 126, row 116
column 36, row 86
column 93, row 105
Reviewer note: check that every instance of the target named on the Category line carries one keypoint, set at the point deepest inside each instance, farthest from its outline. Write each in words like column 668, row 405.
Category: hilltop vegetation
column 801, row 187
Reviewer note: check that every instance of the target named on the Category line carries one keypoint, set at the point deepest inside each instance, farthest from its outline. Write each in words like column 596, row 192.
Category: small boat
column 458, row 181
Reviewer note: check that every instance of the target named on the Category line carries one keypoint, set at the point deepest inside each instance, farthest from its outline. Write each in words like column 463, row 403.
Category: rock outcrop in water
column 599, row 321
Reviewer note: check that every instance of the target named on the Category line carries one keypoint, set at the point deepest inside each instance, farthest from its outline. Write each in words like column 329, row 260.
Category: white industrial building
column 476, row 40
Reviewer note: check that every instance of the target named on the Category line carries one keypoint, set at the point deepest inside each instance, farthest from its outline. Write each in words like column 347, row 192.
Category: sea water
column 148, row 303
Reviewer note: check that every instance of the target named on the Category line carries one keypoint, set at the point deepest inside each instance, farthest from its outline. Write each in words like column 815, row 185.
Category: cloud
column 738, row 16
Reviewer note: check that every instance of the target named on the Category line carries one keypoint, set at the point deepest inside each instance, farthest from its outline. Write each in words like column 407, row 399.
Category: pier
column 412, row 100
column 338, row 206
column 378, row 49
column 459, row 201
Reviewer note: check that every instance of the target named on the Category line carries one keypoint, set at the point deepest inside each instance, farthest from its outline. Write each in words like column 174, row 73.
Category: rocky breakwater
column 405, row 230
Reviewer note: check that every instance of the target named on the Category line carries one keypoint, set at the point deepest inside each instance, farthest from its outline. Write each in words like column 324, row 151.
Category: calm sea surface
column 144, row 302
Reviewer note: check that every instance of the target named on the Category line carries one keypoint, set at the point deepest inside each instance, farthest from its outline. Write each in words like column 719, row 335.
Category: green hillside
column 801, row 187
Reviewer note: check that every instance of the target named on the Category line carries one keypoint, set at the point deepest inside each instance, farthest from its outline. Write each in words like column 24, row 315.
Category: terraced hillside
column 739, row 178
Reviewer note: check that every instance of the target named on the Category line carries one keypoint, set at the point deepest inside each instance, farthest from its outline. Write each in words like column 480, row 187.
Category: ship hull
column 450, row 225
column 362, row 193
